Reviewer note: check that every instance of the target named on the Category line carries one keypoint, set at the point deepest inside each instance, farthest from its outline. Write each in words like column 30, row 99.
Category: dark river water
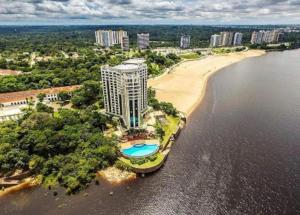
column 238, row 154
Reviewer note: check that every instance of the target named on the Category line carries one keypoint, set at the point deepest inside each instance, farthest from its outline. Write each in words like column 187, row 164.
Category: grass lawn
column 222, row 50
column 145, row 165
column 169, row 127
column 190, row 56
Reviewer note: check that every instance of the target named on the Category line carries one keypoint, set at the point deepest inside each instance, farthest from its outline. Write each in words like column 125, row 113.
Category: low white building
column 11, row 104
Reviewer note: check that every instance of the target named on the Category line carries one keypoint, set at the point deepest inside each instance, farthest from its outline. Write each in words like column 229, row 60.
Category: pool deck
column 134, row 142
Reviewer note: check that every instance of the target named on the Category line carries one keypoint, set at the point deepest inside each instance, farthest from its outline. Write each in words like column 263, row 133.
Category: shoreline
column 181, row 85
column 29, row 182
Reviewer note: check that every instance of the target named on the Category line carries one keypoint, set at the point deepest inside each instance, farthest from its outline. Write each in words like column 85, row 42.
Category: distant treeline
column 163, row 35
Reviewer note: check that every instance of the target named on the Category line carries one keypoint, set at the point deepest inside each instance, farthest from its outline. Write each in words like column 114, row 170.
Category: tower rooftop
column 135, row 61
column 126, row 66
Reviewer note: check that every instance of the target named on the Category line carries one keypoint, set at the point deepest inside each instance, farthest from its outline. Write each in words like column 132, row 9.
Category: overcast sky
column 103, row 12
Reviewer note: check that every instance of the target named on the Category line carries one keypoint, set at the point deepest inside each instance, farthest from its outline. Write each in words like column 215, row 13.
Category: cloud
column 217, row 11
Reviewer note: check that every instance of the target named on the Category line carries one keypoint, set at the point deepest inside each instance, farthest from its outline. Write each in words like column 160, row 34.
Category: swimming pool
column 140, row 150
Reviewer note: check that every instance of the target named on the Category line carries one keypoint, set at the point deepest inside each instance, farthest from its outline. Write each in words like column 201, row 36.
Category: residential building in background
column 125, row 43
column 259, row 37
column 226, row 38
column 143, row 40
column 125, row 91
column 185, row 41
column 215, row 40
column 108, row 38
column 237, row 40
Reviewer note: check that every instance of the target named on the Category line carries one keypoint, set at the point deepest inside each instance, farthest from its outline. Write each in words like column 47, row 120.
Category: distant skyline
column 119, row 12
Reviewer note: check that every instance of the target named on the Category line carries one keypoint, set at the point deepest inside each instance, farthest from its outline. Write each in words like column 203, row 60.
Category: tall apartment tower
column 125, row 91
column 237, row 40
column 215, row 40
column 277, row 36
column 108, row 38
column 226, row 38
column 258, row 37
column 254, row 37
column 125, row 43
column 185, row 41
column 143, row 40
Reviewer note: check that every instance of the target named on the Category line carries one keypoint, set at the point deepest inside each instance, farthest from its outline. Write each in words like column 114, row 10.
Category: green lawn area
column 190, row 56
column 222, row 50
column 169, row 128
column 145, row 165
column 56, row 114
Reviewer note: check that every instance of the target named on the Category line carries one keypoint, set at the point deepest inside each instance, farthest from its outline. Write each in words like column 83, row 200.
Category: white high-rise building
column 226, row 38
column 185, row 41
column 125, row 43
column 143, row 40
column 266, row 36
column 237, row 40
column 125, row 91
column 108, row 38
column 257, row 37
column 215, row 40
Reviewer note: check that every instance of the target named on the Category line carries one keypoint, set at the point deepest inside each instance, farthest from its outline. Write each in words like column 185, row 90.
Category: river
column 238, row 154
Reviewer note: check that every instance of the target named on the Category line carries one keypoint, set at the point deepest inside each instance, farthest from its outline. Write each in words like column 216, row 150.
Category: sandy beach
column 185, row 85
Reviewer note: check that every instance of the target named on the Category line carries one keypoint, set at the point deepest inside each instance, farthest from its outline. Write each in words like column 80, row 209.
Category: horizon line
column 216, row 25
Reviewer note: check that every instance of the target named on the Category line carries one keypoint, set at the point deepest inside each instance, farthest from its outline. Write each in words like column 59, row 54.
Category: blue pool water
column 140, row 150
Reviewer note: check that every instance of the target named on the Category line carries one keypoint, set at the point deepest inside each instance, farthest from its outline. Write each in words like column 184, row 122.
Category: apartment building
column 185, row 41
column 125, row 91
column 215, row 40
column 108, row 38
column 143, row 40
column 125, row 43
column 237, row 40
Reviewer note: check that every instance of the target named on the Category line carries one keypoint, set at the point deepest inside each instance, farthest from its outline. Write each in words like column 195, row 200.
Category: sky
column 112, row 12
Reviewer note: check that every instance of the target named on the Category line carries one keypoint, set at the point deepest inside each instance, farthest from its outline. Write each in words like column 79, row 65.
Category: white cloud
column 151, row 10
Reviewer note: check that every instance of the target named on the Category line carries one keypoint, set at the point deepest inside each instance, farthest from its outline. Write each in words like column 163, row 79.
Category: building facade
column 125, row 91
column 226, row 38
column 237, row 40
column 185, row 41
column 125, row 43
column 143, row 40
column 108, row 38
column 215, row 40
column 259, row 37
column 11, row 104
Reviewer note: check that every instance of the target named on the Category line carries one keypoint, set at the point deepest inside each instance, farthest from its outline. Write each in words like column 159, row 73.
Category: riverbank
column 185, row 85
column 26, row 183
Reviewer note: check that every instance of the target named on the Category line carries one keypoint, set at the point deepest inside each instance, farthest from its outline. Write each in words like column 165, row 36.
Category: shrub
column 153, row 157
column 122, row 166
column 138, row 161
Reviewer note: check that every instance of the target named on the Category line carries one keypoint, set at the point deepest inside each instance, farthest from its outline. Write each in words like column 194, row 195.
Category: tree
column 159, row 130
column 64, row 96
column 40, row 107
column 88, row 94
column 168, row 108
column 41, row 97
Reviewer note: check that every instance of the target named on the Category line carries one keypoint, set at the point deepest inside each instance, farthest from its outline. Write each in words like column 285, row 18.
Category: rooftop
column 135, row 61
column 23, row 95
column 126, row 66
column 4, row 72
column 10, row 111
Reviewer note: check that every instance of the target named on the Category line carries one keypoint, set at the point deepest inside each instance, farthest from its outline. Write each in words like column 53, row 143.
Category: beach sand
column 185, row 84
